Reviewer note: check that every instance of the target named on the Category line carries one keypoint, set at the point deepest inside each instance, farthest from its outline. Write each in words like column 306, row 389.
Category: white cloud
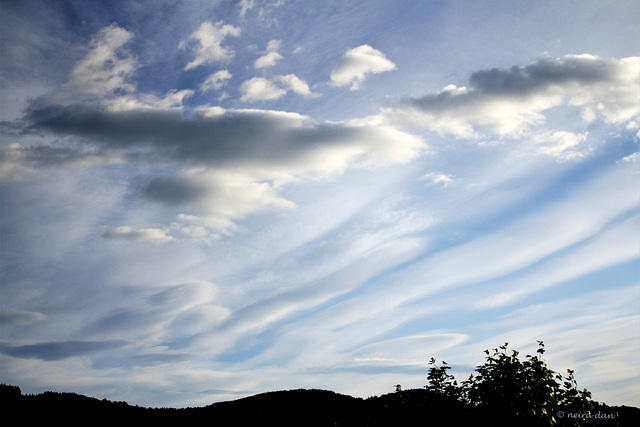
column 216, row 81
column 632, row 158
column 408, row 349
column 209, row 43
column 153, row 235
column 560, row 145
column 295, row 84
column 268, row 60
column 246, row 5
column 438, row 178
column 205, row 228
column 357, row 64
column 172, row 100
column 271, row 57
column 260, row 89
column 105, row 69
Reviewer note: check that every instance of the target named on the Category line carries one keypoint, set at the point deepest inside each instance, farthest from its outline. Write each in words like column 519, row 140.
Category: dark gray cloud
column 223, row 162
column 58, row 350
column 226, row 162
column 581, row 70
column 173, row 190
column 224, row 137
column 508, row 101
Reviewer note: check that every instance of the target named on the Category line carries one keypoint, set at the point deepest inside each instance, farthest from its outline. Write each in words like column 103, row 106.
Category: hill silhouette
column 505, row 391
column 301, row 407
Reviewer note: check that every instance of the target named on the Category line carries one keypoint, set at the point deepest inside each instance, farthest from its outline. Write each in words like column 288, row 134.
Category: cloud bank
column 225, row 163
column 510, row 101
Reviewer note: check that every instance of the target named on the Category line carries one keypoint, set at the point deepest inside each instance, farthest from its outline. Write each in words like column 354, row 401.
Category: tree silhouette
column 526, row 392
column 440, row 382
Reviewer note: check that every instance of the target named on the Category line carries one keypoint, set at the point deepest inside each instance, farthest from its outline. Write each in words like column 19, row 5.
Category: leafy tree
column 575, row 400
column 522, row 389
column 441, row 383
column 526, row 390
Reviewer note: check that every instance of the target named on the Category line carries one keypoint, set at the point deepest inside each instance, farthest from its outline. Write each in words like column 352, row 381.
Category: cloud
column 222, row 164
column 216, row 81
column 215, row 136
column 245, row 5
column 171, row 100
column 295, row 84
column 271, row 57
column 261, row 89
column 209, row 47
column 105, row 69
column 357, row 64
column 436, row 178
column 153, row 235
column 226, row 163
column 198, row 226
column 268, row 60
column 10, row 317
column 560, row 145
column 511, row 101
column 225, row 194
column 166, row 311
column 19, row 162
column 57, row 350
column 408, row 349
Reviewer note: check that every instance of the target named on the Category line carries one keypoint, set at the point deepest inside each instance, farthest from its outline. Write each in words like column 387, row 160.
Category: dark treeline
column 504, row 391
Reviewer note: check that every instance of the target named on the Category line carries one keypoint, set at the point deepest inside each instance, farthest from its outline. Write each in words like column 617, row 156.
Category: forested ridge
column 503, row 391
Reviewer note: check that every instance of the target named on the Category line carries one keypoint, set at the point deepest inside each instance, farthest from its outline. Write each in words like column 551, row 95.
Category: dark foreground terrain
column 293, row 408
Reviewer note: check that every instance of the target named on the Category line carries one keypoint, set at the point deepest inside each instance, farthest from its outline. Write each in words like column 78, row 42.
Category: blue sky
column 207, row 200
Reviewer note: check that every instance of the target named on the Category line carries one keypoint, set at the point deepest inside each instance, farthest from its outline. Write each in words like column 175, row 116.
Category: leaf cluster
column 519, row 390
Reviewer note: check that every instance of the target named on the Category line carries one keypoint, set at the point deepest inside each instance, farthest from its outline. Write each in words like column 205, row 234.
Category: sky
column 206, row 200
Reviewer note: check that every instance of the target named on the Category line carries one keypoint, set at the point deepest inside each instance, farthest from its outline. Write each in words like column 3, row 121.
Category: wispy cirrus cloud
column 324, row 244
